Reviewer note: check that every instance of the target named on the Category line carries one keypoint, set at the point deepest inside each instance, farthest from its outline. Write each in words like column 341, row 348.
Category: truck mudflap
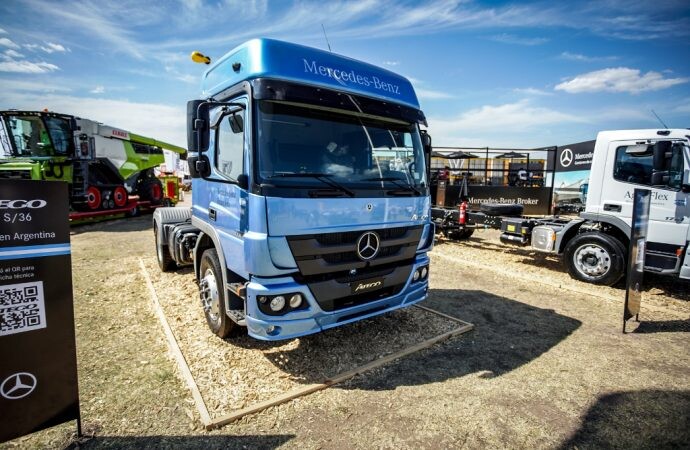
column 312, row 318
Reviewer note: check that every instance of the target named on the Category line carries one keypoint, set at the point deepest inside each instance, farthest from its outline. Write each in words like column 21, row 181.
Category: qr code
column 22, row 308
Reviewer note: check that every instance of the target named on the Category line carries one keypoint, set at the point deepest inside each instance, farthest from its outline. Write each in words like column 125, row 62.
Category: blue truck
column 310, row 194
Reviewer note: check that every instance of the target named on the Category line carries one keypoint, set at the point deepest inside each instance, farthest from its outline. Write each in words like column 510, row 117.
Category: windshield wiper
column 323, row 177
column 397, row 182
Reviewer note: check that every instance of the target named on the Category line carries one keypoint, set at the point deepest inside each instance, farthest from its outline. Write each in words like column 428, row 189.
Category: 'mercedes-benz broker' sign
column 38, row 369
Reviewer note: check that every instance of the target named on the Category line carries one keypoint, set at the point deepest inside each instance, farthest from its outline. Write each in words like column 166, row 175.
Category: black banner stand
column 38, row 374
column 636, row 253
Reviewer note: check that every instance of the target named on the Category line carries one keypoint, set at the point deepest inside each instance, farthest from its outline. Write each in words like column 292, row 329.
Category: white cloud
column 27, row 67
column 163, row 122
column 531, row 91
column 391, row 63
column 2, row 31
column 619, row 79
column 51, row 47
column 428, row 94
column 12, row 54
column 490, row 124
column 584, row 58
column 5, row 42
column 32, row 86
column 97, row 90
column 518, row 40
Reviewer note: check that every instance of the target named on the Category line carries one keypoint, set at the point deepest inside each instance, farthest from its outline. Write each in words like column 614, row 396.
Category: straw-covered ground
column 546, row 366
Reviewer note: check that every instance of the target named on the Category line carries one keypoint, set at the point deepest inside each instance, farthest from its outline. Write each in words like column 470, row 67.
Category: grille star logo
column 368, row 245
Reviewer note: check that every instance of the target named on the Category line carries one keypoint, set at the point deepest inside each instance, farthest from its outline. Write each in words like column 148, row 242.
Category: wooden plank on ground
column 295, row 393
column 175, row 350
column 302, row 391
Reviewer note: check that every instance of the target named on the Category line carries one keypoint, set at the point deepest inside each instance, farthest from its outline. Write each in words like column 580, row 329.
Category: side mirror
column 660, row 178
column 661, row 155
column 197, row 126
column 199, row 166
column 243, row 181
column 426, row 141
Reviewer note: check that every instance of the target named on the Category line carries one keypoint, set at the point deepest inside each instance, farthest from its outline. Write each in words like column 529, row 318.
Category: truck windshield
column 34, row 137
column 355, row 151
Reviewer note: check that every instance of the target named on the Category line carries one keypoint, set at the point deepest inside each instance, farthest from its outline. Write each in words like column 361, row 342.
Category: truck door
column 669, row 214
column 226, row 200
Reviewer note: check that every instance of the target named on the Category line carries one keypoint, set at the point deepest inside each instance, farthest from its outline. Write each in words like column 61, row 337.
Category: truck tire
column 213, row 295
column 165, row 261
column 595, row 258
column 501, row 209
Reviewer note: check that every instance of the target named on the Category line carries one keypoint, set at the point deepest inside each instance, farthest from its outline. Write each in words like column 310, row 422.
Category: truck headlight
column 277, row 303
column 424, row 272
column 415, row 277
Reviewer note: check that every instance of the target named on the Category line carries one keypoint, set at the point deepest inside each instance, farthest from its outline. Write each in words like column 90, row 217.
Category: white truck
column 595, row 244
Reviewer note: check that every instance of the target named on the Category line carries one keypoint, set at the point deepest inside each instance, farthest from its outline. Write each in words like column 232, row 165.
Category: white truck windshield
column 351, row 150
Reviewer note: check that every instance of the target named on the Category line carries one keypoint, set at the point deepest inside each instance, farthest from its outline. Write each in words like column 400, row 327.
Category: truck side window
column 229, row 159
column 633, row 165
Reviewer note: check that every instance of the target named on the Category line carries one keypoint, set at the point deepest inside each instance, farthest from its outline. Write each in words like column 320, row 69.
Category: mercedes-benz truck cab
column 310, row 193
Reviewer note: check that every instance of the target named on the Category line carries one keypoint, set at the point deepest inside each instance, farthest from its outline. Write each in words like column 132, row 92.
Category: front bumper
column 313, row 318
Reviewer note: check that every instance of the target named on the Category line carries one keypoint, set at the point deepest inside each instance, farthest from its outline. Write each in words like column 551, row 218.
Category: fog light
column 295, row 301
column 424, row 272
column 263, row 299
column 415, row 277
column 270, row 329
column 277, row 303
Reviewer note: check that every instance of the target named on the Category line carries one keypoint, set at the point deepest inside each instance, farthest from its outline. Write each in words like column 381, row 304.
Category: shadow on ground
column 641, row 419
column 508, row 334
column 186, row 442
column 666, row 285
column 139, row 223
column 663, row 326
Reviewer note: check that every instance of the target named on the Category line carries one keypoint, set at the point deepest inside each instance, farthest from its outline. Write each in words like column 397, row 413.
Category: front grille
column 350, row 237
column 15, row 174
column 326, row 262
column 336, row 252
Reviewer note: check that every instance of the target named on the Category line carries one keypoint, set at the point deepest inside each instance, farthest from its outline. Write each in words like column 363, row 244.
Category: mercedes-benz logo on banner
column 18, row 385
column 566, row 157
column 368, row 245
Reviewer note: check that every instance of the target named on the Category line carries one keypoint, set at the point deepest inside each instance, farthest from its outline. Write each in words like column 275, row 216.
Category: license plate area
column 362, row 286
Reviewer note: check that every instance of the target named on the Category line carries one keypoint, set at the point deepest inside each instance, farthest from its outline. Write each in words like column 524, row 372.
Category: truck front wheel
column 595, row 258
column 213, row 295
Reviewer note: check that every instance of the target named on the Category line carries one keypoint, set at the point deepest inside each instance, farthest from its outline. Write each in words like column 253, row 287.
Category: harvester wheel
column 120, row 196
column 93, row 197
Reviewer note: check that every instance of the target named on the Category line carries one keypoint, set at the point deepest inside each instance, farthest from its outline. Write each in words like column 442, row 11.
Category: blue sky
column 499, row 74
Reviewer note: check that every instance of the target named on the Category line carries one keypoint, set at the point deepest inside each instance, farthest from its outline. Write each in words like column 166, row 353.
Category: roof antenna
column 324, row 35
column 659, row 119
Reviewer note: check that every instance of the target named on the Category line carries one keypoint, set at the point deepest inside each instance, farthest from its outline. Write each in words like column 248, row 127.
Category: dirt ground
column 546, row 366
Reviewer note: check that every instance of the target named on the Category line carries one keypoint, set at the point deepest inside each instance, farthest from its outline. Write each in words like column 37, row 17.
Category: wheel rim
column 120, row 196
column 592, row 261
column 210, row 298
column 93, row 197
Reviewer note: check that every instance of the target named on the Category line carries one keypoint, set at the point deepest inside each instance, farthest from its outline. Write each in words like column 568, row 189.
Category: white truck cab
column 649, row 159
column 595, row 245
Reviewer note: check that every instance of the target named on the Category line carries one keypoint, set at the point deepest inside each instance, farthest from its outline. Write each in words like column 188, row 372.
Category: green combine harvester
column 105, row 167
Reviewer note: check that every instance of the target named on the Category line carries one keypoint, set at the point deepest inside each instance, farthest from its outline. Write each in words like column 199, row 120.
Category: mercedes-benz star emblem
column 368, row 245
column 18, row 385
column 566, row 157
